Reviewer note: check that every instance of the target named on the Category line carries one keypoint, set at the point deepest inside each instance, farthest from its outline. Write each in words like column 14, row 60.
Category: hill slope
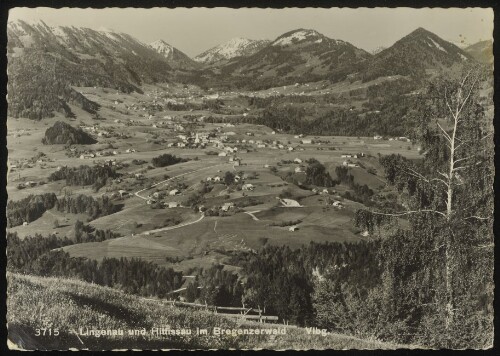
column 68, row 305
column 68, row 56
column 414, row 55
column 236, row 47
column 175, row 58
column 301, row 55
column 482, row 51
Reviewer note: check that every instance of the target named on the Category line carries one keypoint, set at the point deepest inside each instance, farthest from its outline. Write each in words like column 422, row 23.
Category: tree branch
column 409, row 212
column 446, row 135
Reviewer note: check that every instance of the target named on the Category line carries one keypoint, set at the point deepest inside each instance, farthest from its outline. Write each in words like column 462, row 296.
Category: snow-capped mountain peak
column 298, row 36
column 162, row 47
column 236, row 47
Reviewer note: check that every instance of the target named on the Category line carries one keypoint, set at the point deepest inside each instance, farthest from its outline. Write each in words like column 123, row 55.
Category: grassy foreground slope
column 67, row 305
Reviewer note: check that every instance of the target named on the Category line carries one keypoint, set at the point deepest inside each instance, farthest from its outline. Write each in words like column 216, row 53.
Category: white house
column 290, row 203
column 337, row 204
column 173, row 204
column 306, row 141
column 216, row 179
column 297, row 160
column 227, row 206
column 222, row 154
column 248, row 186
column 174, row 192
column 293, row 228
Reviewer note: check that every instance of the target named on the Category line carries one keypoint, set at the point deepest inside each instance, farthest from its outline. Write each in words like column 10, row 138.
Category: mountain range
column 236, row 47
column 69, row 56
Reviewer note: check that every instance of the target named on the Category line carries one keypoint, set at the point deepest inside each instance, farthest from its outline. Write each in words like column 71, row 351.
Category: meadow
column 68, row 305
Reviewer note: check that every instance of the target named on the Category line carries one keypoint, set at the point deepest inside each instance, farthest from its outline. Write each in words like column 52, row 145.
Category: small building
column 227, row 206
column 297, row 160
column 377, row 137
column 298, row 170
column 25, row 223
column 290, row 203
column 306, row 141
column 122, row 193
column 174, row 192
column 173, row 204
column 209, row 179
column 222, row 154
column 293, row 228
column 337, row 204
column 248, row 187
column 216, row 179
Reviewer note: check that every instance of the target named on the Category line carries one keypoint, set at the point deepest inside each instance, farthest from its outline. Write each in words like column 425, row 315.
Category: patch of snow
column 233, row 48
column 162, row 47
column 437, row 45
column 298, row 35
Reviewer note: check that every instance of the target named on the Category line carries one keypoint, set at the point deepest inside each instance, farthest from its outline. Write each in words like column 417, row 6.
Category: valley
column 326, row 186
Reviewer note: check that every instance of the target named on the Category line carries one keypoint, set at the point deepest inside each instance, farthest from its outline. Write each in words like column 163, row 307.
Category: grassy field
column 68, row 305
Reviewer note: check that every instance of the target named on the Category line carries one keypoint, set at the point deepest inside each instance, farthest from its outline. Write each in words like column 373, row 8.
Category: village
column 230, row 173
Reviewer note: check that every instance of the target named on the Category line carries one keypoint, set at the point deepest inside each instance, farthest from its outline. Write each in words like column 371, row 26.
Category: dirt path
column 251, row 213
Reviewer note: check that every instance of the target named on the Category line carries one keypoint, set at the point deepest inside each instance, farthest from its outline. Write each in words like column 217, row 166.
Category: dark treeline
column 219, row 287
column 34, row 206
column 282, row 280
column 86, row 233
column 22, row 253
column 80, row 203
column 96, row 176
column 29, row 209
column 361, row 193
column 317, row 174
column 166, row 160
column 34, row 255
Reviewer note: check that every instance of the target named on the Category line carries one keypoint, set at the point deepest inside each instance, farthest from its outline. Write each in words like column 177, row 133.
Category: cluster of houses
column 91, row 154
column 401, row 138
column 96, row 130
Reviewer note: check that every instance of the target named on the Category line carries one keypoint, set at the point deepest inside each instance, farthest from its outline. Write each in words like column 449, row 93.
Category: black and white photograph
column 250, row 178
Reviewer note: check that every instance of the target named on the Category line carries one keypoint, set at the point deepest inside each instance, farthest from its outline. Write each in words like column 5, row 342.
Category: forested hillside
column 63, row 133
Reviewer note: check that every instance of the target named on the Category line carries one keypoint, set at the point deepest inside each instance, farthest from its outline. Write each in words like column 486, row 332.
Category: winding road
column 167, row 228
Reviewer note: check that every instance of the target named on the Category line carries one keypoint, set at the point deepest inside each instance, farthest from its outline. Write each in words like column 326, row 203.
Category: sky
column 195, row 30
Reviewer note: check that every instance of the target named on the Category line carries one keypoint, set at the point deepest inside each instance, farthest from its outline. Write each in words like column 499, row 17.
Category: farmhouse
column 248, row 187
column 227, row 206
column 173, row 204
column 337, row 204
column 297, row 160
column 306, row 141
column 216, row 179
column 290, row 203
column 174, row 192
column 293, row 228
column 122, row 193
